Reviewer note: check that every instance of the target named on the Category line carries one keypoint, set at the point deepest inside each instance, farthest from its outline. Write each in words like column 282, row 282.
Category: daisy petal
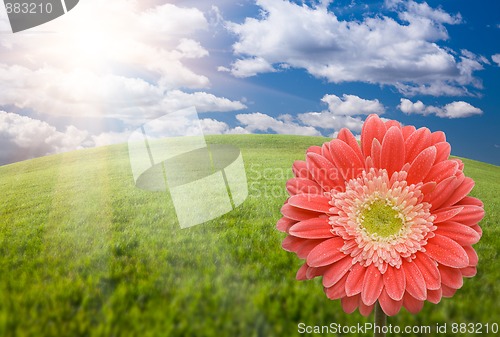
column 407, row 131
column 292, row 243
column 434, row 296
column 390, row 123
column 314, row 149
column 447, row 252
column 469, row 215
column 477, row 229
column 428, row 187
column 451, row 277
column 443, row 151
column 301, row 273
column 300, row 170
column 461, row 234
column 347, row 137
column 302, row 186
column 472, row 254
column 315, row 228
column 393, row 150
column 415, row 282
column 336, row 271
column 460, row 192
column 345, row 159
column 373, row 284
column 395, row 283
column 416, row 143
column 421, row 166
column 429, row 271
column 337, row 290
column 441, row 193
column 305, row 248
column 326, row 253
column 441, row 171
column 313, row 272
column 460, row 163
column 438, row 137
column 412, row 304
column 376, row 153
column 324, row 172
column 444, row 214
column 447, row 291
column 469, row 271
column 284, row 224
column 389, row 305
column 311, row 202
column 297, row 214
column 354, row 284
column 364, row 309
column 373, row 128
column 470, row 201
column 350, row 304
column 325, row 152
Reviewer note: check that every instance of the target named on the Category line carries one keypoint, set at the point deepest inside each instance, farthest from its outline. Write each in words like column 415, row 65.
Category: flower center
column 382, row 220
column 379, row 217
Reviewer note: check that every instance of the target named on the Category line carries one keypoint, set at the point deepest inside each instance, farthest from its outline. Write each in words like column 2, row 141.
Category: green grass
column 85, row 253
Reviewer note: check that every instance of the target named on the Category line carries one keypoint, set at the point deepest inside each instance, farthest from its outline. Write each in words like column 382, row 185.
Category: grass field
column 85, row 253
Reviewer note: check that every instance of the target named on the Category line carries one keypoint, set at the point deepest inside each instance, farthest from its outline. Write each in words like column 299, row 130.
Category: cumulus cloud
column 327, row 120
column 25, row 138
column 342, row 112
column 250, row 67
column 459, row 109
column 350, row 105
column 496, row 59
column 107, row 138
column 401, row 52
column 129, row 63
column 214, row 127
column 257, row 121
column 204, row 102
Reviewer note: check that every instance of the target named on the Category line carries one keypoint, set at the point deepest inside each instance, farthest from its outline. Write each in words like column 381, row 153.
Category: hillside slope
column 85, row 253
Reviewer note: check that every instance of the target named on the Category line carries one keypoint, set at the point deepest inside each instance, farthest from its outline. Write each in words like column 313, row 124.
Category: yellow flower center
column 380, row 218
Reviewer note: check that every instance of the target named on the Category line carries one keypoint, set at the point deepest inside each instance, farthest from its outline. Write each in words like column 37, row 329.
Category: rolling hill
column 85, row 253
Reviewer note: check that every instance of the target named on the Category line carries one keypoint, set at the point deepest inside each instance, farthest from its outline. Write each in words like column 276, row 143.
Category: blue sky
column 267, row 66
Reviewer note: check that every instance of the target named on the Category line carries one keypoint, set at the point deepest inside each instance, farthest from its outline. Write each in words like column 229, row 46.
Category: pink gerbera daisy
column 387, row 221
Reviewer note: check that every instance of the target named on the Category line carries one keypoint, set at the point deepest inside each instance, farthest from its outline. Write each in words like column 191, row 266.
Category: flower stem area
column 380, row 321
column 85, row 253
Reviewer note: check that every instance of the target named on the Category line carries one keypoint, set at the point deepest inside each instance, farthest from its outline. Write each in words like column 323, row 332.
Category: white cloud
column 107, row 138
column 380, row 49
column 191, row 49
column 223, row 69
column 496, row 59
column 112, row 58
column 459, row 109
column 251, row 67
column 417, row 11
column 408, row 107
column 352, row 105
column 342, row 112
column 25, row 138
column 327, row 120
column 204, row 102
column 215, row 127
column 261, row 122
